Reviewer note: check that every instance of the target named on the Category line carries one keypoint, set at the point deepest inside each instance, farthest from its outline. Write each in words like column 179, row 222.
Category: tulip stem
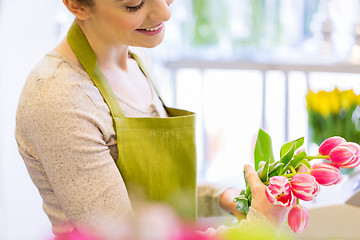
column 317, row 157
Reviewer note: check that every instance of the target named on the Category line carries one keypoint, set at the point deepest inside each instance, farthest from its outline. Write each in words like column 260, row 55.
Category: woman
column 97, row 139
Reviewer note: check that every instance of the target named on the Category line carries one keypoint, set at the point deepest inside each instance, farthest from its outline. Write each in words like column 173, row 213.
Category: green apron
column 156, row 156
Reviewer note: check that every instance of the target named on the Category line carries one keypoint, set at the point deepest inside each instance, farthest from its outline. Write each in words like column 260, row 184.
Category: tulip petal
column 278, row 192
column 304, row 187
column 341, row 155
column 330, row 143
column 339, row 180
column 355, row 160
column 298, row 218
column 346, row 155
column 326, row 173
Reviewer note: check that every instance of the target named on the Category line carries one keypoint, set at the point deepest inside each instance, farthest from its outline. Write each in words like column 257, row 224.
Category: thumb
column 252, row 177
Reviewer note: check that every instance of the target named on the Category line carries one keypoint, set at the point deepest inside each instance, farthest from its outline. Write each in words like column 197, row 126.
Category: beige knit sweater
column 65, row 136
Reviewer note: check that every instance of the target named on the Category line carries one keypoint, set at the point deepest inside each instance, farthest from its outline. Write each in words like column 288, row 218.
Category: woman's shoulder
column 56, row 81
column 56, row 67
column 56, row 87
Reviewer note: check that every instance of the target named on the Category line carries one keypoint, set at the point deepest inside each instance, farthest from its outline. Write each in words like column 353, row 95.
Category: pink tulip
column 304, row 186
column 278, row 192
column 346, row 155
column 326, row 173
column 330, row 143
column 339, row 180
column 298, row 218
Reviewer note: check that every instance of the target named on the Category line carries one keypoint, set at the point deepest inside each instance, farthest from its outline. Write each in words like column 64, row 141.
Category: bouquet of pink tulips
column 286, row 186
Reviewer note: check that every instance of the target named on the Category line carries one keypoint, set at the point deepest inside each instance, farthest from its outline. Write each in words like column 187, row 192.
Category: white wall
column 27, row 32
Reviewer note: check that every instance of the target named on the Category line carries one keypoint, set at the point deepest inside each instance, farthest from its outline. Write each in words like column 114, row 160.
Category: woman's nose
column 160, row 10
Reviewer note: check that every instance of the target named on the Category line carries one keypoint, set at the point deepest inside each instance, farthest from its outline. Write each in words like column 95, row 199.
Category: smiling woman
column 95, row 136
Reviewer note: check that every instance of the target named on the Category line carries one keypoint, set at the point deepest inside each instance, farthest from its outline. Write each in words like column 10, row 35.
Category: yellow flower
column 309, row 100
column 322, row 103
column 331, row 102
column 348, row 99
column 334, row 101
column 358, row 99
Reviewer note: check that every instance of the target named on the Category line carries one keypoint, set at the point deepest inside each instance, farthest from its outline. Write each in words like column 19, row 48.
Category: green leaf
column 287, row 156
column 247, row 191
column 286, row 147
column 275, row 169
column 242, row 204
column 246, row 183
column 261, row 164
column 263, row 149
column 294, row 162
column 264, row 174
column 305, row 163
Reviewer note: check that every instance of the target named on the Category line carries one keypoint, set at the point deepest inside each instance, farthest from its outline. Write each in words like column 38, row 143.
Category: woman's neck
column 109, row 54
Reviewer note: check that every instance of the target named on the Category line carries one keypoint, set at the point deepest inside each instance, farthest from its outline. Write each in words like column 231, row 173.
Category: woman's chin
column 148, row 44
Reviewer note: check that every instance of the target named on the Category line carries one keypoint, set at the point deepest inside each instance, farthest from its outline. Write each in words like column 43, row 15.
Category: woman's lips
column 153, row 30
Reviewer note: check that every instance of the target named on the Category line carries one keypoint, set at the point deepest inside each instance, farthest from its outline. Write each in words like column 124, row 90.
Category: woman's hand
column 277, row 215
column 228, row 204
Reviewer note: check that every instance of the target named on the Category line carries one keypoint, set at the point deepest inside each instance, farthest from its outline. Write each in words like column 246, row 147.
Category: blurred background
column 290, row 67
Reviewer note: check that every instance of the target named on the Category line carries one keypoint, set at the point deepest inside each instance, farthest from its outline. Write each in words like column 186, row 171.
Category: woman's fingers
column 252, row 177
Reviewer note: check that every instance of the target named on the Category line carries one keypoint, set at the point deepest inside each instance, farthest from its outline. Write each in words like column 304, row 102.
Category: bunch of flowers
column 286, row 185
column 333, row 113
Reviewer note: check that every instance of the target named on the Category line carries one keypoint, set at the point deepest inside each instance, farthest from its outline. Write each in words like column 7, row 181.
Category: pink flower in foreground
column 74, row 236
column 304, row 186
column 190, row 233
column 346, row 155
column 298, row 218
column 330, row 143
column 278, row 192
column 326, row 173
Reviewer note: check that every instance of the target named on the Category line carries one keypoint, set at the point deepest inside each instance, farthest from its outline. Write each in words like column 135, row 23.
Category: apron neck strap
column 146, row 72
column 86, row 56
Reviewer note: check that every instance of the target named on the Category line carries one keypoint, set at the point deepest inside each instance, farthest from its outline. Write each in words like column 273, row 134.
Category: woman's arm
column 208, row 197
column 60, row 124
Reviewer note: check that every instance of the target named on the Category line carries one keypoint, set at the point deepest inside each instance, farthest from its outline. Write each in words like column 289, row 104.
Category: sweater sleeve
column 61, row 127
column 209, row 199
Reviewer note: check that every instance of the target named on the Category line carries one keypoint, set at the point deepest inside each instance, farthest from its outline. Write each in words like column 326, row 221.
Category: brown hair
column 89, row 3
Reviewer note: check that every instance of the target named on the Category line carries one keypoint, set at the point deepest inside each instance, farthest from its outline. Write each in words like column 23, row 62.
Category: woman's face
column 129, row 22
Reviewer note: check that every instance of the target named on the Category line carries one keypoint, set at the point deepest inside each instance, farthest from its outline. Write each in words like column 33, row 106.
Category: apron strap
column 147, row 74
column 86, row 56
